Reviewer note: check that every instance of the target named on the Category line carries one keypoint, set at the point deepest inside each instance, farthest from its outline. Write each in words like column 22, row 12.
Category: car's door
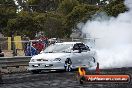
column 76, row 55
column 83, row 57
column 88, row 56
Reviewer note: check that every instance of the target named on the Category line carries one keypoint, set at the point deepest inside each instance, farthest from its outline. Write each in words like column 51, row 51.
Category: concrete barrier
column 14, row 64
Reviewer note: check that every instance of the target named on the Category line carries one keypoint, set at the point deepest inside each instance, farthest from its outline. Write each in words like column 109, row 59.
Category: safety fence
column 18, row 47
column 14, row 64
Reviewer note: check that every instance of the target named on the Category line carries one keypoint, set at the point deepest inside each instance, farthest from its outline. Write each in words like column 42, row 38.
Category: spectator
column 1, row 53
column 30, row 50
column 39, row 46
column 46, row 42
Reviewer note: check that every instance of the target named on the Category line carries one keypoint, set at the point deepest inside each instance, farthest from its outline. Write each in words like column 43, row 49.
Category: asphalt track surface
column 59, row 80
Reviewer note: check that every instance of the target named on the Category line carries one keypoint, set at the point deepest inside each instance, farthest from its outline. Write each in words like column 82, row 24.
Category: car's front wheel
column 68, row 64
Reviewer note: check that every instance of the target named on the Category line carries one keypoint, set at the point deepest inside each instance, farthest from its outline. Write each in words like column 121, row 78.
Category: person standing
column 1, row 53
column 30, row 50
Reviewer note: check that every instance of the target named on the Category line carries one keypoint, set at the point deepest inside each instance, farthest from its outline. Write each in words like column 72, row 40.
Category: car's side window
column 75, row 47
column 81, row 46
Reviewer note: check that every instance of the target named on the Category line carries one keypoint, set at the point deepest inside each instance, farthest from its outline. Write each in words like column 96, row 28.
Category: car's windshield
column 58, row 48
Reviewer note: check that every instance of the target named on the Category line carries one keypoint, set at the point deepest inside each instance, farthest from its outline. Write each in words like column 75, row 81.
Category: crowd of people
column 36, row 46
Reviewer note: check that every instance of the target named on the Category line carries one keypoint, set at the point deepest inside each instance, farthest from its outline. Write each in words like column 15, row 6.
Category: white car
column 63, row 56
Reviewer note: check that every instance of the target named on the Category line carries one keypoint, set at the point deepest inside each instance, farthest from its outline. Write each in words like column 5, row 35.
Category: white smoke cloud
column 114, row 43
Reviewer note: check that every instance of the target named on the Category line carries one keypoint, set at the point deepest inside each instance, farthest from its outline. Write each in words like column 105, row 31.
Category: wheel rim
column 68, row 65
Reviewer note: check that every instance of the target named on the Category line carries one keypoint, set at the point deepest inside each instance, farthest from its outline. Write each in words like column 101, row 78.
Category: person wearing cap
column 1, row 53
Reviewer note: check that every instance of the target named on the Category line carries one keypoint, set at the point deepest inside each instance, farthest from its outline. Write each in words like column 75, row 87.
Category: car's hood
column 50, row 55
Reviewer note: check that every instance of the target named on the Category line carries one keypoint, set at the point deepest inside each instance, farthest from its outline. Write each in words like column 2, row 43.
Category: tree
column 7, row 2
column 115, row 7
column 66, row 6
column 22, row 25
column 81, row 13
column 7, row 11
column 39, row 21
column 51, row 24
column 90, row 2
column 56, row 18
column 43, row 5
column 54, row 26
column 29, row 24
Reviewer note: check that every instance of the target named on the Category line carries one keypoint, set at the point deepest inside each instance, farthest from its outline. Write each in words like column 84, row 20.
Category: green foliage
column 6, row 2
column 30, row 24
column 81, row 13
column 90, row 2
column 11, row 27
column 33, row 2
column 43, row 5
column 115, row 7
column 120, row 8
column 39, row 21
column 74, row 12
column 54, row 27
column 56, row 18
column 66, row 6
column 51, row 24
column 7, row 12
column 22, row 25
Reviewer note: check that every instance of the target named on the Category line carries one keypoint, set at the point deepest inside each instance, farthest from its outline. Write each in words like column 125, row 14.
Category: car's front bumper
column 45, row 66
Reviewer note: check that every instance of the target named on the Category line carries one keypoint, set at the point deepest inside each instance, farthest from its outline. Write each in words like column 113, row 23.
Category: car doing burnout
column 63, row 56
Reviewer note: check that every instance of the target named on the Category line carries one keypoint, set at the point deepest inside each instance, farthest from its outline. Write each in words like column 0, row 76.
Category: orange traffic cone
column 97, row 69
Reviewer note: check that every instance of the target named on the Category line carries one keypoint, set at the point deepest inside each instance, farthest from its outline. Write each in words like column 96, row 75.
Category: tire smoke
column 114, row 38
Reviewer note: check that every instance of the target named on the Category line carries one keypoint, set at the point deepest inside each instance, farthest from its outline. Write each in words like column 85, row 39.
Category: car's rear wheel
column 68, row 64
column 35, row 71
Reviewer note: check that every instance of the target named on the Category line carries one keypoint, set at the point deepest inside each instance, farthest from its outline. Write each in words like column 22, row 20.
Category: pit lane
column 59, row 80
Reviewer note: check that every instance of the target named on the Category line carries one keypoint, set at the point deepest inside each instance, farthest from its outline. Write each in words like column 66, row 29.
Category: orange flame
column 81, row 71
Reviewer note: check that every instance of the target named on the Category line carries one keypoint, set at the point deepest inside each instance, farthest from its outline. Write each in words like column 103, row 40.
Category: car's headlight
column 32, row 60
column 42, row 60
column 57, row 59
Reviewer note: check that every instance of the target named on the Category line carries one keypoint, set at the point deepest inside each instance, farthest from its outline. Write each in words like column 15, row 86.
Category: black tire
column 82, row 80
column 35, row 71
column 68, row 64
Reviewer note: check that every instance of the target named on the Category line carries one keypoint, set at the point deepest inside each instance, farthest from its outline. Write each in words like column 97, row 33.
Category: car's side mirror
column 41, row 52
column 75, row 51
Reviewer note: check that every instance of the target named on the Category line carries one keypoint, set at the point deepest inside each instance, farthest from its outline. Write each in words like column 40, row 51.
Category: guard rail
column 12, row 64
